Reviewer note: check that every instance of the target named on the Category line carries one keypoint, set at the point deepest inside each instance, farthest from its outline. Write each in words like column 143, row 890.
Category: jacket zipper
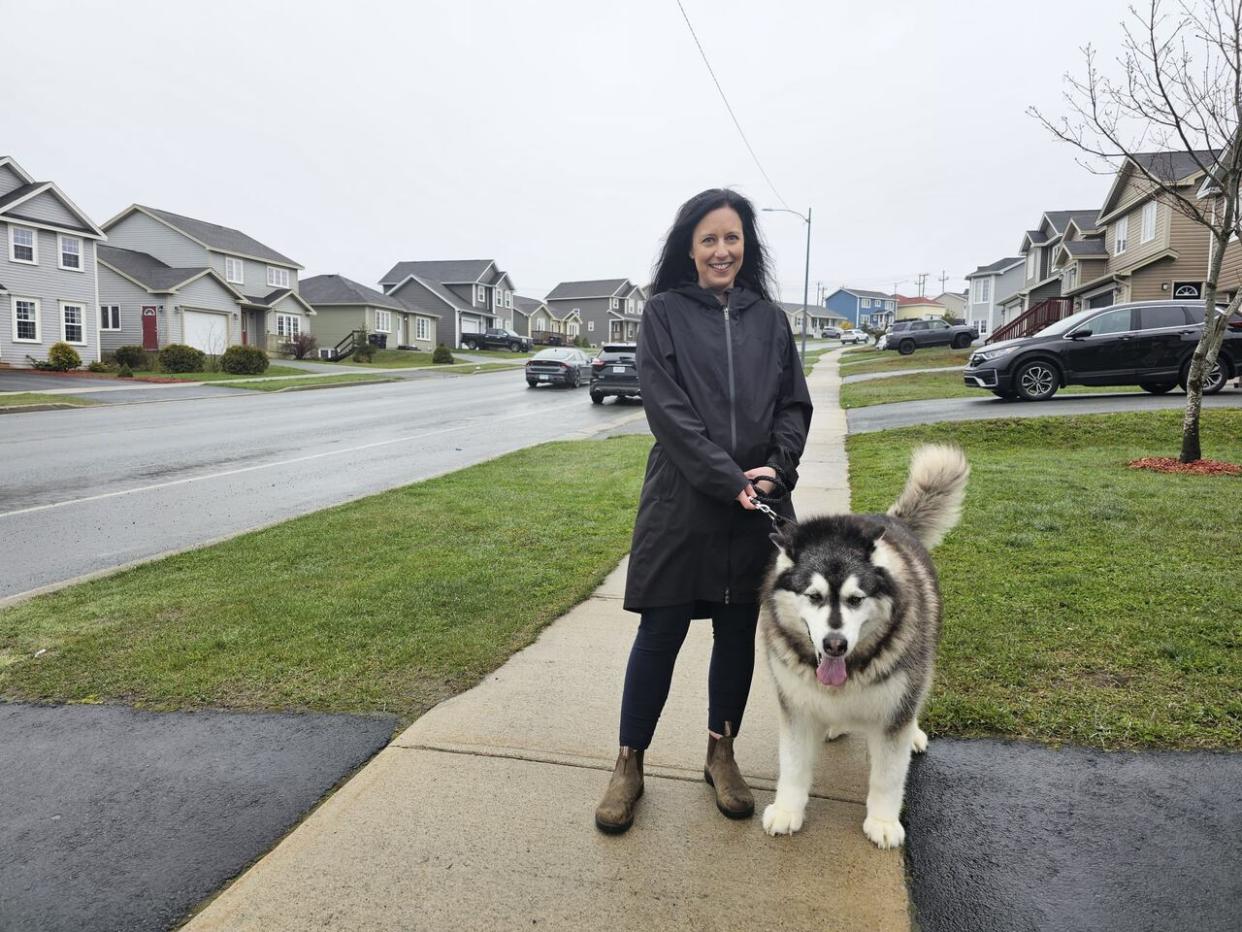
column 732, row 435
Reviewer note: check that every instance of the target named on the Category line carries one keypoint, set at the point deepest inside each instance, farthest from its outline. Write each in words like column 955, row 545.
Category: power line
column 729, row 107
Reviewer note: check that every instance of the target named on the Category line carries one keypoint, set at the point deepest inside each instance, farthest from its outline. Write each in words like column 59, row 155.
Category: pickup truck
column 908, row 335
column 495, row 338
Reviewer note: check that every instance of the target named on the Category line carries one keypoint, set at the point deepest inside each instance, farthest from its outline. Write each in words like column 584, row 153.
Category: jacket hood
column 742, row 297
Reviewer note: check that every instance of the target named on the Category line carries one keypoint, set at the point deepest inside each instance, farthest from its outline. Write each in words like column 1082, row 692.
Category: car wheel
column 1213, row 382
column 905, row 347
column 961, row 341
column 1036, row 381
column 531, row 383
column 576, row 380
column 597, row 398
column 470, row 344
column 1157, row 388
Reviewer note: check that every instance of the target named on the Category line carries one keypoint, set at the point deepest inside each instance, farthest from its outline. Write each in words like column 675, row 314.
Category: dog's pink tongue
column 831, row 671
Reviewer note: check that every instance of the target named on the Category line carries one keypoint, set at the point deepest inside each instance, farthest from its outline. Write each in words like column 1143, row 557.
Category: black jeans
column 650, row 671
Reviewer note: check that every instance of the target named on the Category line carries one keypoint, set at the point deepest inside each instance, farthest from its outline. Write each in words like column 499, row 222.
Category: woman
column 724, row 394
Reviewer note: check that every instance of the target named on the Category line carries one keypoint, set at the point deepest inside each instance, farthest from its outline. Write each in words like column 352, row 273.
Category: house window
column 982, row 288
column 26, row 320
column 590, row 326
column 572, row 329
column 383, row 321
column 277, row 278
column 235, row 271
column 1032, row 264
column 508, row 299
column 74, row 317
column 71, row 253
column 866, row 302
column 109, row 317
column 23, row 245
column 422, row 328
column 1120, row 232
column 888, row 305
column 982, row 325
column 288, row 325
column 480, row 294
column 1148, row 231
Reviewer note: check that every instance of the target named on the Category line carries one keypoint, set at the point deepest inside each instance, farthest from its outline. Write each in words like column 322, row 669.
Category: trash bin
column 378, row 340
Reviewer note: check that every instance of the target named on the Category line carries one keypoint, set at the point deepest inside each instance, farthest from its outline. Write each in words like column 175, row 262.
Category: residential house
column 48, row 287
column 1040, row 291
column 543, row 326
column 260, row 305
column 863, row 308
column 918, row 308
column 343, row 306
column 608, row 309
column 955, row 301
column 464, row 295
column 987, row 287
column 817, row 317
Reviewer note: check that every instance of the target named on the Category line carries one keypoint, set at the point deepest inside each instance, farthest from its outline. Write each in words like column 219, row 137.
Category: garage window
column 288, row 325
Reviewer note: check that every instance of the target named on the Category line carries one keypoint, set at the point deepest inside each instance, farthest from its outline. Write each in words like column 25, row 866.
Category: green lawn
column 935, row 385
column 1084, row 602
column 870, row 359
column 390, row 359
column 25, row 399
column 390, row 603
column 812, row 357
column 305, row 384
column 271, row 370
column 502, row 354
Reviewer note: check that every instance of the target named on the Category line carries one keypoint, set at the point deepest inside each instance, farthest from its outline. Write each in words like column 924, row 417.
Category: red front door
column 150, row 336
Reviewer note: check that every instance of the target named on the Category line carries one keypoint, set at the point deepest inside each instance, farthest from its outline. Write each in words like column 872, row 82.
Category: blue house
column 861, row 307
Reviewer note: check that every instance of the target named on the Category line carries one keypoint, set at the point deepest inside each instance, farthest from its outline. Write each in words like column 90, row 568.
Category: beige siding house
column 343, row 306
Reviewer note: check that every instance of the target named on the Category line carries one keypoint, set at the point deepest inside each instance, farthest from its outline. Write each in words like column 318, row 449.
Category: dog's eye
column 814, row 598
column 854, row 601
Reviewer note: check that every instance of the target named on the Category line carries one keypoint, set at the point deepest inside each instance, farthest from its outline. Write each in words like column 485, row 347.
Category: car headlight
column 989, row 355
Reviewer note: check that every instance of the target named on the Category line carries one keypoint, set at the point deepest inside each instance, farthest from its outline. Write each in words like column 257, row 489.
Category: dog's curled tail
column 931, row 502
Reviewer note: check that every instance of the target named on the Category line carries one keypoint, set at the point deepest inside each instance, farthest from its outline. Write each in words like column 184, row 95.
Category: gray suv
column 908, row 335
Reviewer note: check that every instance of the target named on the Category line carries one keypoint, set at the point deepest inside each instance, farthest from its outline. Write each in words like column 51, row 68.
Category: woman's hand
column 744, row 497
column 758, row 473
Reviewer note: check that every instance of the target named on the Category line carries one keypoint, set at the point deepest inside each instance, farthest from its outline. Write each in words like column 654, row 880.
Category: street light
column 806, row 281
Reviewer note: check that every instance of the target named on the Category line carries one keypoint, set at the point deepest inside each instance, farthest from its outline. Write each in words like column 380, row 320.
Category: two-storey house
column 464, row 295
column 541, row 325
column 48, row 290
column 987, row 287
column 954, row 302
column 609, row 309
column 861, row 307
column 247, row 292
column 343, row 307
column 1040, row 293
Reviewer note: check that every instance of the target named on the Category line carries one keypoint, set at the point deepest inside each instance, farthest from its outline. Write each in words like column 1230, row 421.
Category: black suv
column 1148, row 344
column 908, row 335
column 613, row 372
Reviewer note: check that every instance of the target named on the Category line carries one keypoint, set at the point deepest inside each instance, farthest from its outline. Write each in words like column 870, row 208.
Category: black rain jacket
column 723, row 390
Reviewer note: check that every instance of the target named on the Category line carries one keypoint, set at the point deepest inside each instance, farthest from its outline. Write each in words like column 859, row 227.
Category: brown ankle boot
column 615, row 812
column 733, row 796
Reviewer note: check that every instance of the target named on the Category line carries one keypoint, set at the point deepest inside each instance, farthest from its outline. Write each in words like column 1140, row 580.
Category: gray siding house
column 609, row 309
column 48, row 290
column 343, row 306
column 269, row 313
column 464, row 295
column 987, row 288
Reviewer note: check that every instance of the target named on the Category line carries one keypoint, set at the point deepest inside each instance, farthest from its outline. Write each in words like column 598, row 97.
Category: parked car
column 854, row 336
column 1148, row 344
column 905, row 336
column 495, row 338
column 614, row 372
column 560, row 366
column 830, row 333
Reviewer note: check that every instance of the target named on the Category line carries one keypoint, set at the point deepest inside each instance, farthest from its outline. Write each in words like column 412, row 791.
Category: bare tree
column 1178, row 91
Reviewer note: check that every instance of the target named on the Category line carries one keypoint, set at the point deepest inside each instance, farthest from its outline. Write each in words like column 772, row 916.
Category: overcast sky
column 559, row 137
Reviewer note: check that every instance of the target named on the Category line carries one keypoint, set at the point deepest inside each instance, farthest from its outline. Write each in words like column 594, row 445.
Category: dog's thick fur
column 864, row 584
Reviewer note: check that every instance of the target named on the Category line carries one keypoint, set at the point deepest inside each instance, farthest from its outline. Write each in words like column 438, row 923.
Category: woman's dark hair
column 675, row 265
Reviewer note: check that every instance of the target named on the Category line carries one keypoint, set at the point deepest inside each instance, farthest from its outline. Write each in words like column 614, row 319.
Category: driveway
column 23, row 380
column 907, row 413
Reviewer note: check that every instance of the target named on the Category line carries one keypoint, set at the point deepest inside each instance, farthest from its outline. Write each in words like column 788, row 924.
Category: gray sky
column 558, row 137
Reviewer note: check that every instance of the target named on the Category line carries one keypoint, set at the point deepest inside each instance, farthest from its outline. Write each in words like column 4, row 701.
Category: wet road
column 90, row 489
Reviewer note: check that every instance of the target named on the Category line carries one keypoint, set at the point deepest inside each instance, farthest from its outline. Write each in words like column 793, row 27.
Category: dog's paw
column 778, row 821
column 886, row 833
column 919, row 740
column 834, row 734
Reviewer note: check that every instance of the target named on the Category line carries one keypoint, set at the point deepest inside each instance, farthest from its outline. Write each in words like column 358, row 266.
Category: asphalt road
column 1015, row 836
column 906, row 413
column 118, row 819
column 90, row 489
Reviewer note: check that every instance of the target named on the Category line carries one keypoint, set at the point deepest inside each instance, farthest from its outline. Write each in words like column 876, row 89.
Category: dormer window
column 234, row 271
column 277, row 277
column 23, row 245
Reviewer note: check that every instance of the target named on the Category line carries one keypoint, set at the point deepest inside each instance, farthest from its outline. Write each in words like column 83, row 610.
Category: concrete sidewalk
column 479, row 816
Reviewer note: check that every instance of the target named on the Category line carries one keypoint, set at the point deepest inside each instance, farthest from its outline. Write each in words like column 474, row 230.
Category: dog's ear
column 872, row 533
column 785, row 554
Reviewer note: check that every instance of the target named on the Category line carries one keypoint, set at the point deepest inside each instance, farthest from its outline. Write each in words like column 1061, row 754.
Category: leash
column 764, row 503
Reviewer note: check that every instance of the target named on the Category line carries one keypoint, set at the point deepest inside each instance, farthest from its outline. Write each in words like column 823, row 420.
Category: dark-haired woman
column 724, row 394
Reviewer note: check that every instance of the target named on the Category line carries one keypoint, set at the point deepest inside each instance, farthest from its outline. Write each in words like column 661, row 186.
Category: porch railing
column 1041, row 315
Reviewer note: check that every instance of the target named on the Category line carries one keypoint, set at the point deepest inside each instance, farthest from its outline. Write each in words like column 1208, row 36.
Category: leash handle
column 778, row 493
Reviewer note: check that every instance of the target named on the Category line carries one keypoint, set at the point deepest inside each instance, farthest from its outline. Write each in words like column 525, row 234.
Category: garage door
column 471, row 325
column 206, row 332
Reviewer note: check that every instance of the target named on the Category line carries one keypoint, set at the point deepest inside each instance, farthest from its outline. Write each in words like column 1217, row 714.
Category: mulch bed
column 1197, row 468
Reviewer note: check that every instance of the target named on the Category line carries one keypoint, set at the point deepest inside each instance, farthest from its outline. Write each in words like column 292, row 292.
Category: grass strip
column 870, row 359
column 390, row 603
column 1084, row 602
column 927, row 385
column 305, row 384
column 25, row 399
column 272, row 370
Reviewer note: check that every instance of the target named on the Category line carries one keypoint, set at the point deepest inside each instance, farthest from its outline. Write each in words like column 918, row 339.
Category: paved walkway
column 479, row 816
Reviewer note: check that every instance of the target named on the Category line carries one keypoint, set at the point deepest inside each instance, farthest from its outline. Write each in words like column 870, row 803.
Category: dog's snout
column 835, row 644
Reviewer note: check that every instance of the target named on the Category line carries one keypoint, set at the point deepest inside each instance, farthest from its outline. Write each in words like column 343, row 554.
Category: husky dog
column 850, row 623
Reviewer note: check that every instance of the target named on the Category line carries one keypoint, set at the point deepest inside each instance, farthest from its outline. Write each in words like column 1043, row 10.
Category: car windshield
column 1068, row 323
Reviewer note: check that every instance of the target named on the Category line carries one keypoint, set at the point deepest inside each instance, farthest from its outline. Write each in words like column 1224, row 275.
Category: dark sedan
column 561, row 366
column 1148, row 344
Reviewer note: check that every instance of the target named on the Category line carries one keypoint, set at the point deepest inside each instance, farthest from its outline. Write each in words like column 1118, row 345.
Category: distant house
column 987, row 287
column 269, row 312
column 541, row 325
column 607, row 309
column 861, row 307
column 918, row 308
column 343, row 306
column 48, row 290
column 817, row 317
column 955, row 301
column 464, row 295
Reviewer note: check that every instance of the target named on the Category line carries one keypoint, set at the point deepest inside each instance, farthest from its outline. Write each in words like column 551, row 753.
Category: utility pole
column 943, row 278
